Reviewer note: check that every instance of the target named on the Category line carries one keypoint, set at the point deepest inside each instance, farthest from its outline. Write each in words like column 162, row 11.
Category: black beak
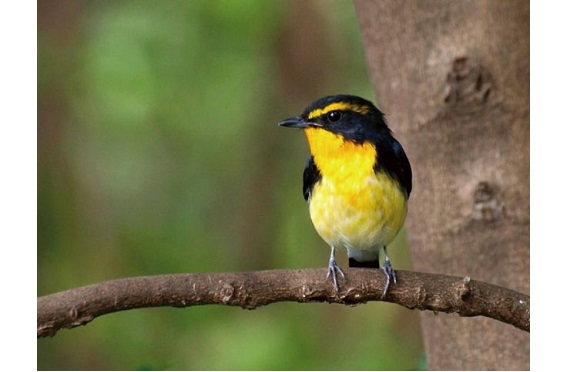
column 297, row 122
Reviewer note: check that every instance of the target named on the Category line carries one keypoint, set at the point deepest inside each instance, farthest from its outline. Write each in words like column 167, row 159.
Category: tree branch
column 414, row 290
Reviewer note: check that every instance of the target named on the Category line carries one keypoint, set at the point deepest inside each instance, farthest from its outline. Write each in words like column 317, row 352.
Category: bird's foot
column 332, row 271
column 390, row 275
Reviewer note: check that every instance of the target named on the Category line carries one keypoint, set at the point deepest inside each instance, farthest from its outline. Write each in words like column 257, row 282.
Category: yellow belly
column 361, row 214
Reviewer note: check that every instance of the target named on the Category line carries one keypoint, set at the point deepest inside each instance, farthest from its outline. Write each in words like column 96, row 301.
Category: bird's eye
column 334, row 116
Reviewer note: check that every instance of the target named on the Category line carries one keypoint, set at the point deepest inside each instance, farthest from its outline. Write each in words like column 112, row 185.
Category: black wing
column 405, row 168
column 391, row 158
column 311, row 176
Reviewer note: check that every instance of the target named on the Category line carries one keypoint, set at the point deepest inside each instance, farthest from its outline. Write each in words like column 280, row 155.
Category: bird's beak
column 297, row 122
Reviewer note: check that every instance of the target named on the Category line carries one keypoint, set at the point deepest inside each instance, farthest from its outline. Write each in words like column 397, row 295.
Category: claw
column 389, row 272
column 333, row 269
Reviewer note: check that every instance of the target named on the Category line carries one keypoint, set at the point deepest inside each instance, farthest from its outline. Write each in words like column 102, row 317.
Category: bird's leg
column 333, row 270
column 390, row 273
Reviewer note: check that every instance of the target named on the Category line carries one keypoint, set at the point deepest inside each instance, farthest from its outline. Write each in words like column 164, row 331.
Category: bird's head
column 350, row 117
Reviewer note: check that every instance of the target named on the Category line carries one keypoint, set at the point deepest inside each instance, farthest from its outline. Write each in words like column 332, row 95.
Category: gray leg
column 333, row 270
column 390, row 273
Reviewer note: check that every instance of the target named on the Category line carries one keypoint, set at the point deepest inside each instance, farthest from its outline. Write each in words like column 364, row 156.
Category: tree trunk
column 453, row 79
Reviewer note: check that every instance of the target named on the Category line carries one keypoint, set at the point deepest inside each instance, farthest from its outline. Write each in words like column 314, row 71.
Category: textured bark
column 453, row 78
column 438, row 293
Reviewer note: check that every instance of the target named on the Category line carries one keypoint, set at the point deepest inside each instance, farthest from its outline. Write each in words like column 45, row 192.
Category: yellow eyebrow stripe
column 338, row 106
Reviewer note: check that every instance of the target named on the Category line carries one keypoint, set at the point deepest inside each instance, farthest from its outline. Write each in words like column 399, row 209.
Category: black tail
column 370, row 264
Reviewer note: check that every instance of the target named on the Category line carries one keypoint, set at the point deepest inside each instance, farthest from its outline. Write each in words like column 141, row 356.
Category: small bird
column 357, row 180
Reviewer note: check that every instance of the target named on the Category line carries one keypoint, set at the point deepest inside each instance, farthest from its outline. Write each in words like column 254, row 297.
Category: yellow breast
column 352, row 205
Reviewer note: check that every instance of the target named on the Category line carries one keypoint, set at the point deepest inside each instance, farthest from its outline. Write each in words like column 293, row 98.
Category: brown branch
column 250, row 290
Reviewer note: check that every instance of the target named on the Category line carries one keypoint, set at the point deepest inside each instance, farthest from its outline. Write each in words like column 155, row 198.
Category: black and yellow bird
column 357, row 180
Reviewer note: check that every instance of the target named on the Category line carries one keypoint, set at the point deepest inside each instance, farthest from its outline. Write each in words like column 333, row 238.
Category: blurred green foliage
column 159, row 152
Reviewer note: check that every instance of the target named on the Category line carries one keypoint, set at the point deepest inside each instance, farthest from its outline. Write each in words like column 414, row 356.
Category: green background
column 159, row 152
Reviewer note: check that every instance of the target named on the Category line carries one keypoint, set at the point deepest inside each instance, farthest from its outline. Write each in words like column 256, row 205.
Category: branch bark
column 250, row 290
